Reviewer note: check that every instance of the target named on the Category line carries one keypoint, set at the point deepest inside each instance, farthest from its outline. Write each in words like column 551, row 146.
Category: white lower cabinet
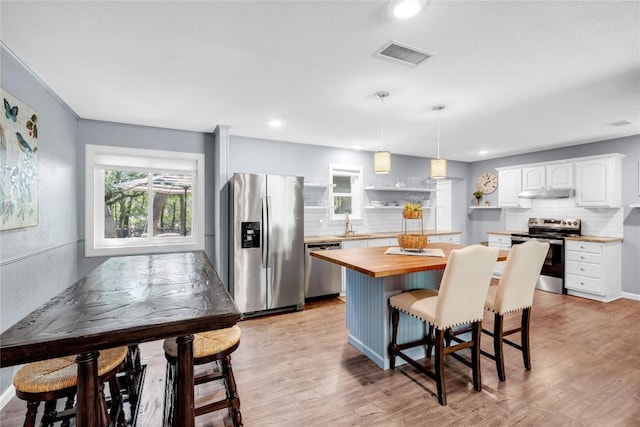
column 501, row 241
column 390, row 241
column 444, row 238
column 593, row 270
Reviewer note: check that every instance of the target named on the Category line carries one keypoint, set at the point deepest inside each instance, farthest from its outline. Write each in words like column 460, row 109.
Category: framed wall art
column 18, row 164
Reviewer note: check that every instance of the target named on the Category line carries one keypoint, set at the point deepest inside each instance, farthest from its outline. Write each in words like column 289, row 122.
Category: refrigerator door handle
column 268, row 249
column 264, row 237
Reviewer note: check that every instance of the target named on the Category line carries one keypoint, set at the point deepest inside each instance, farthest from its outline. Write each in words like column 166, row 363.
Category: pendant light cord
column 381, row 123
column 438, row 108
column 382, row 94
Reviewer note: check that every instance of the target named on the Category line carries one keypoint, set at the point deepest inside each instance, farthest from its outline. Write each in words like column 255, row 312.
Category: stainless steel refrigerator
column 266, row 239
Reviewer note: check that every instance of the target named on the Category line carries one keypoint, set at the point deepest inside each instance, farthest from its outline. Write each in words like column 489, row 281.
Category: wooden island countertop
column 375, row 263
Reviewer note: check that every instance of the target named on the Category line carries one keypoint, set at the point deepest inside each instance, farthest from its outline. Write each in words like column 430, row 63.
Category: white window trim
column 357, row 196
column 98, row 158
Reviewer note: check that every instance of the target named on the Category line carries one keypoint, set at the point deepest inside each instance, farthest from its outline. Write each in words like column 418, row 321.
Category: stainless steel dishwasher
column 321, row 277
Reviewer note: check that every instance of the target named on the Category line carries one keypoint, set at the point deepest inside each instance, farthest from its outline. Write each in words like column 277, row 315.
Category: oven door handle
column 525, row 239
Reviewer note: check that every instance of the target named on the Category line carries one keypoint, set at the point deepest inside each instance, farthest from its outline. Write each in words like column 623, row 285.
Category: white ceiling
column 515, row 76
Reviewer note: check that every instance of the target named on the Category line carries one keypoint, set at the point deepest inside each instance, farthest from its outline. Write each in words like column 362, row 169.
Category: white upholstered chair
column 514, row 292
column 459, row 301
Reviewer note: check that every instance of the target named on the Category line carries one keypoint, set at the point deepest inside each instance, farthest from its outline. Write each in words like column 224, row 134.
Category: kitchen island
column 371, row 278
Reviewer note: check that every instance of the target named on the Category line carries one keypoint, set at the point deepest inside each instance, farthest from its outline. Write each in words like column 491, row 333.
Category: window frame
column 357, row 190
column 99, row 158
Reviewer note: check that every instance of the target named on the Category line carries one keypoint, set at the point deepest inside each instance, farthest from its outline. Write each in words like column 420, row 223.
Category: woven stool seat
column 62, row 372
column 207, row 343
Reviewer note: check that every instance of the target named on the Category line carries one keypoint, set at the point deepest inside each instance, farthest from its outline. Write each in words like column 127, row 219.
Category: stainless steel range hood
column 546, row 194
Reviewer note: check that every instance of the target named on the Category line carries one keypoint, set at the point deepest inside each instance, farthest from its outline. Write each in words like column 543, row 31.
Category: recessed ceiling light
column 275, row 123
column 405, row 9
column 483, row 152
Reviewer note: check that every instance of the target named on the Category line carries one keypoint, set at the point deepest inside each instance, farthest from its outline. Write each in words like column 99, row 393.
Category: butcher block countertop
column 375, row 263
column 593, row 239
column 364, row 236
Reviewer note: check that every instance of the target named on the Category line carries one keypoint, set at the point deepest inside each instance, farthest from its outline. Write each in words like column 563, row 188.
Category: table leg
column 184, row 400
column 90, row 411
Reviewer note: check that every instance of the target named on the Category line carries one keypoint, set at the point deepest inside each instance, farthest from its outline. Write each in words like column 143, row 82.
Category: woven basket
column 411, row 214
column 412, row 241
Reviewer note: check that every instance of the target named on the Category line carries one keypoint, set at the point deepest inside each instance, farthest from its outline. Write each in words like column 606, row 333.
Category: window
column 346, row 191
column 143, row 201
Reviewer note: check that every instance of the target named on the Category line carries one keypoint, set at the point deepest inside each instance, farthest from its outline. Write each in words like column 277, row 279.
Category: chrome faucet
column 346, row 224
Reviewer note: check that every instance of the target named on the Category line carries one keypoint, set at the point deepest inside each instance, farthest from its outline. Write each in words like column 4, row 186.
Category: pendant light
column 438, row 165
column 382, row 159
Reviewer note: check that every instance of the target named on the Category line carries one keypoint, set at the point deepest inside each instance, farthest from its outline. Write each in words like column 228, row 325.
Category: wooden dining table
column 372, row 277
column 126, row 300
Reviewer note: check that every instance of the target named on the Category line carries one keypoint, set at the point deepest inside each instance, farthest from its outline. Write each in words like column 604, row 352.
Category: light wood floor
column 296, row 369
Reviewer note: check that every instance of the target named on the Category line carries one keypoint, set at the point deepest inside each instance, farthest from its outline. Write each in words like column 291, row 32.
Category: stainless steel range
column 553, row 231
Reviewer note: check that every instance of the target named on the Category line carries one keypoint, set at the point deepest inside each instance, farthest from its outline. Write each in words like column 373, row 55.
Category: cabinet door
column 599, row 182
column 372, row 243
column 533, row 178
column 591, row 183
column 509, row 186
column 560, row 176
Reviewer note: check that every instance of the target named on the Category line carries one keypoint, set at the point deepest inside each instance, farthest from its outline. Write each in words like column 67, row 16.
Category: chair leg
column 430, row 345
column 49, row 413
column 232, row 392
column 475, row 355
column 117, row 408
column 66, row 422
column 439, row 366
column 170, row 389
column 393, row 346
column 32, row 411
column 526, row 352
column 498, row 323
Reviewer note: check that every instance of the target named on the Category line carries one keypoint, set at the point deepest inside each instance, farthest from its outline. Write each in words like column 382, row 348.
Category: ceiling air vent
column 620, row 123
column 403, row 53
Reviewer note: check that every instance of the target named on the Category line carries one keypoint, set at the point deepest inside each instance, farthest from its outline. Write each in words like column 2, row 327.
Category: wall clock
column 487, row 182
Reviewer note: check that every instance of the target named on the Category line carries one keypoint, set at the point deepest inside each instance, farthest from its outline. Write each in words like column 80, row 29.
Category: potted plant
column 478, row 195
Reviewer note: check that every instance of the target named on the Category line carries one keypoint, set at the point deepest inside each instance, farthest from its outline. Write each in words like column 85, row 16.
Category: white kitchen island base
column 367, row 312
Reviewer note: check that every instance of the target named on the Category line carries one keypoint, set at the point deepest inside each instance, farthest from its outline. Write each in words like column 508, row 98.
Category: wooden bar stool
column 53, row 379
column 459, row 301
column 208, row 347
column 514, row 292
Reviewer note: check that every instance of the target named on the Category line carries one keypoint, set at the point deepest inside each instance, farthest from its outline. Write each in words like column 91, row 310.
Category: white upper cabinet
column 533, row 178
column 509, row 186
column 559, row 176
column 599, row 182
column 554, row 176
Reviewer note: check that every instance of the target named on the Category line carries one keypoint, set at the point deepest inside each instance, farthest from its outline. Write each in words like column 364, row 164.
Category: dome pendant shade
column 438, row 168
column 382, row 162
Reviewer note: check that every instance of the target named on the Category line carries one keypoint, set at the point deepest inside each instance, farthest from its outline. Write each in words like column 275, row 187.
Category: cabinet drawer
column 583, row 269
column 499, row 241
column 444, row 238
column 593, row 258
column 572, row 245
column 584, row 284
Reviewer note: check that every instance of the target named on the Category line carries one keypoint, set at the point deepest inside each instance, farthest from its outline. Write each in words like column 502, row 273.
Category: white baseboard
column 629, row 295
column 7, row 396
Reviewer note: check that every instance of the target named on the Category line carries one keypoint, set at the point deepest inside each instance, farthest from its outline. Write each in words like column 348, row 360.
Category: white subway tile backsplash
column 603, row 222
column 317, row 223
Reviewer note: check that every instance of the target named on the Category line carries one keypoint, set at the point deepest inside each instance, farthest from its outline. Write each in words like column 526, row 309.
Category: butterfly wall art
column 18, row 164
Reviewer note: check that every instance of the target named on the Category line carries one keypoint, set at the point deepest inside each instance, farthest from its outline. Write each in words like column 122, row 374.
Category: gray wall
column 123, row 135
column 37, row 263
column 481, row 222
